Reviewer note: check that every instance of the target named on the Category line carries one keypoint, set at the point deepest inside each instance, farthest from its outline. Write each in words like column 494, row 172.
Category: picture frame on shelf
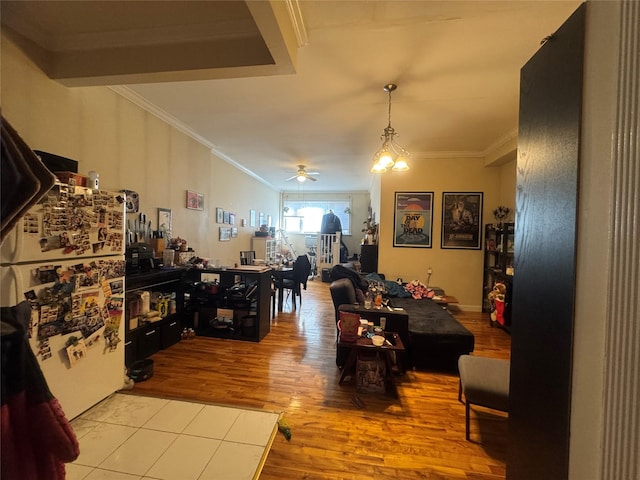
column 413, row 219
column 195, row 201
column 461, row 220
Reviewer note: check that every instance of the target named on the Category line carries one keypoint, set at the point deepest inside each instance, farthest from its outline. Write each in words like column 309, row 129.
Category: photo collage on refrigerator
column 81, row 292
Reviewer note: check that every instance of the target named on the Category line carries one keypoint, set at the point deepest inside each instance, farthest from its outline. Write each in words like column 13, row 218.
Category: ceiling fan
column 303, row 175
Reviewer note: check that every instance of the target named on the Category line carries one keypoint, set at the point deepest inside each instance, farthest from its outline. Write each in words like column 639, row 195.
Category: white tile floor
column 127, row 437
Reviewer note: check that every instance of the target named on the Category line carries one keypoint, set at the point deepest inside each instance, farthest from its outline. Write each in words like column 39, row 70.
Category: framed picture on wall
column 413, row 219
column 252, row 218
column 164, row 222
column 219, row 215
column 232, row 218
column 225, row 234
column 132, row 201
column 225, row 217
column 234, row 232
column 195, row 201
column 462, row 220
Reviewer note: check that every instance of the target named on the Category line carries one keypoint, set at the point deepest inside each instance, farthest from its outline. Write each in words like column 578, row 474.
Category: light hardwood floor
column 419, row 435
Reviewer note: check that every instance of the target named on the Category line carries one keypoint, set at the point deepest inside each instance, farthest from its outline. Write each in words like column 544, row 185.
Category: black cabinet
column 148, row 340
column 237, row 306
column 498, row 268
column 144, row 338
column 170, row 331
column 369, row 258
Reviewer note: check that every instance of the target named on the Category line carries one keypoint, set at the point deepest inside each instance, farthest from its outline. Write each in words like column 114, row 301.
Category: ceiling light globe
column 378, row 168
column 300, row 178
column 385, row 159
column 401, row 165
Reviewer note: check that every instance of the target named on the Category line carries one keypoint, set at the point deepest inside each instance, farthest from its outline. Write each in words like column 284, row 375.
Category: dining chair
column 296, row 281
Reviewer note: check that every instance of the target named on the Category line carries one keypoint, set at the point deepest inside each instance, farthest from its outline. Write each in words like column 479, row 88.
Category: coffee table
column 393, row 345
column 397, row 319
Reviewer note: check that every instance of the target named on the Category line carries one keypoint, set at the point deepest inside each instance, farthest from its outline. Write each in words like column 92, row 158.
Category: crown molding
column 297, row 22
column 448, row 154
column 147, row 106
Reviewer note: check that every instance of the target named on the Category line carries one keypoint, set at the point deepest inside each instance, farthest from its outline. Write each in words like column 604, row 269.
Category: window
column 306, row 216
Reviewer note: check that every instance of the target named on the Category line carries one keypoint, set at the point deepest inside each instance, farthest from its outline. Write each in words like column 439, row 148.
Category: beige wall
column 459, row 272
column 132, row 149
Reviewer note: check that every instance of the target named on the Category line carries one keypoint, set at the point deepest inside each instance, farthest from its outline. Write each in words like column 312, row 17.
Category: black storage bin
column 326, row 275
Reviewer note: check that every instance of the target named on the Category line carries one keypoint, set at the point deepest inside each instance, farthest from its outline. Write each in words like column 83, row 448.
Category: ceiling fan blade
column 291, row 178
column 310, row 178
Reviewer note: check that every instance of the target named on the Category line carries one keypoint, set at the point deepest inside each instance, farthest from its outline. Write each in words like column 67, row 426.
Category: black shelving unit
column 498, row 265
column 369, row 258
column 145, row 339
column 238, row 307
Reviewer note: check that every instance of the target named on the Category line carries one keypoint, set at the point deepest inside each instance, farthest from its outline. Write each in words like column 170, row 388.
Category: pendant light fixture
column 391, row 154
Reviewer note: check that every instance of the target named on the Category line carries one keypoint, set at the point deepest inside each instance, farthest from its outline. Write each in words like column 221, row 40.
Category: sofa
column 433, row 338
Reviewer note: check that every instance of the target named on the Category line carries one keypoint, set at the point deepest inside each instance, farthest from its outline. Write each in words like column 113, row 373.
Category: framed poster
column 164, row 221
column 462, row 220
column 219, row 215
column 225, row 234
column 195, row 201
column 413, row 219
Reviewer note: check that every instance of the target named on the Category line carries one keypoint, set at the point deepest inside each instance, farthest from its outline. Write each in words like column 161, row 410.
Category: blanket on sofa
column 394, row 289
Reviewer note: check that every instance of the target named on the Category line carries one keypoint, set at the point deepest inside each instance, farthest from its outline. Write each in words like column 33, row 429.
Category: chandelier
column 391, row 154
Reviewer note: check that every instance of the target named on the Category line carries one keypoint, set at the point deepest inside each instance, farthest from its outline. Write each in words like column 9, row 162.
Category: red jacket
column 37, row 439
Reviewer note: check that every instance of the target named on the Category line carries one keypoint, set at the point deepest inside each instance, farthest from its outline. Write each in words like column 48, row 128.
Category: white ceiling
column 270, row 85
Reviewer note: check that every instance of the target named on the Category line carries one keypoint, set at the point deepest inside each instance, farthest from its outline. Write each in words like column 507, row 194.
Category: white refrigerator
column 66, row 258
